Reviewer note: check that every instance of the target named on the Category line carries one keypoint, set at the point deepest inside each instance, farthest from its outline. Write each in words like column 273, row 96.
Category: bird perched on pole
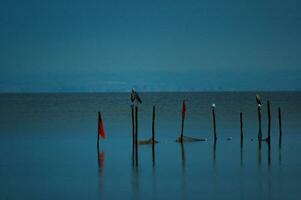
column 258, row 100
column 135, row 97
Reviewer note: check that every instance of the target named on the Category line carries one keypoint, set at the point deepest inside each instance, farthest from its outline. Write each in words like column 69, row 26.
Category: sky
column 152, row 45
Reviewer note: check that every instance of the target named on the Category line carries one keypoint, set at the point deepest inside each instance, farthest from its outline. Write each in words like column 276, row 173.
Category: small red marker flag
column 101, row 131
column 183, row 110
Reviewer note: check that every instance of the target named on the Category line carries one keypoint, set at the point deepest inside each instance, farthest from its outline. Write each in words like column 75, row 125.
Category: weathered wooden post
column 133, row 126
column 280, row 127
column 133, row 134
column 153, row 126
column 99, row 117
column 258, row 100
column 214, row 123
column 269, row 122
column 136, row 133
column 241, row 128
column 183, row 119
column 153, row 137
column 259, row 122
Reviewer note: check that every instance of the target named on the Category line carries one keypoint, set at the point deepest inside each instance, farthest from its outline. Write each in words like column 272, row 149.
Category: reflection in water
column 280, row 157
column 134, row 156
column 269, row 154
column 101, row 160
column 183, row 178
column 135, row 182
column 259, row 153
column 241, row 152
column 153, row 155
column 101, row 164
column 154, row 180
column 214, row 153
column 183, row 156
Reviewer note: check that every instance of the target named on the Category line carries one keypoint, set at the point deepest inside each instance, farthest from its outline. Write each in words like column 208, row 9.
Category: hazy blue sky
column 107, row 45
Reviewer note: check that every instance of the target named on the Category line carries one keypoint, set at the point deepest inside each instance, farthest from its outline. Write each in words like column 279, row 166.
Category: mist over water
column 48, row 147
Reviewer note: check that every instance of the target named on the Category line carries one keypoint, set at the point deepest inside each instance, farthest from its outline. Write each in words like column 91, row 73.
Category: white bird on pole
column 258, row 100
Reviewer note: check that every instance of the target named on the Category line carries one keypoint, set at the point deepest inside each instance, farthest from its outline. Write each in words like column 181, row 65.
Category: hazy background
column 153, row 45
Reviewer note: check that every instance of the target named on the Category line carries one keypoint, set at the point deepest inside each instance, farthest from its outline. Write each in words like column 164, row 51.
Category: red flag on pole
column 101, row 131
column 183, row 110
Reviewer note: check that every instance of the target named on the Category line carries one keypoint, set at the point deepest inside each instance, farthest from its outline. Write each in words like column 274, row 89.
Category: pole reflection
column 259, row 154
column 183, row 177
column 241, row 153
column 214, row 153
column 153, row 155
column 101, row 165
column 100, row 160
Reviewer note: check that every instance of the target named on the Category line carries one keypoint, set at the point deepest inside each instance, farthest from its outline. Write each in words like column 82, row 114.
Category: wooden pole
column 241, row 128
column 182, row 128
column 133, row 127
column 99, row 116
column 269, row 122
column 153, row 136
column 280, row 126
column 259, row 122
column 214, row 123
column 136, row 133
column 133, row 135
column 153, row 126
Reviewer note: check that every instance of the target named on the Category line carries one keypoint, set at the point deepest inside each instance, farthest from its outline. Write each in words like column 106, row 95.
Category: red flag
column 183, row 110
column 101, row 130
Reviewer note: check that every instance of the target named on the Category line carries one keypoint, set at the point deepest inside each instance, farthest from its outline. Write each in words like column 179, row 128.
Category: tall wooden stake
column 153, row 126
column 280, row 127
column 99, row 116
column 259, row 123
column 214, row 123
column 136, row 134
column 182, row 128
column 153, row 136
column 269, row 122
column 133, row 126
column 133, row 135
column 241, row 128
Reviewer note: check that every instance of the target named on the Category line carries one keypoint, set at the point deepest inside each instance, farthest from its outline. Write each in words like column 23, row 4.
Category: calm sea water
column 48, row 147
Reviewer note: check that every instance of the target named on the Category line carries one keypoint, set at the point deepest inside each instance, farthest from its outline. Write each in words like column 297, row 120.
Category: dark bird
column 258, row 100
column 135, row 97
